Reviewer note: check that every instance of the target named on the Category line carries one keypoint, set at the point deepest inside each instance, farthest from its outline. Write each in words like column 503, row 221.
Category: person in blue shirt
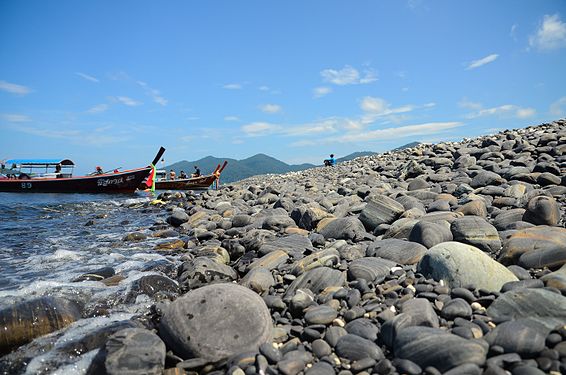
column 330, row 162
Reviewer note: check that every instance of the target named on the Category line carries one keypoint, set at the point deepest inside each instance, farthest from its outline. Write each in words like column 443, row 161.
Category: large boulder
column 461, row 265
column 216, row 322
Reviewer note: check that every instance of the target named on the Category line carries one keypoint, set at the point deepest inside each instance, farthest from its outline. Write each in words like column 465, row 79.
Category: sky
column 108, row 82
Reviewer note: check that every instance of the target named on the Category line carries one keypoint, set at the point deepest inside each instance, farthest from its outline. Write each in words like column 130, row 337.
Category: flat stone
column 400, row 229
column 474, row 208
column 326, row 257
column 542, row 210
column 370, row 269
column 270, row 260
column 316, row 280
column 430, row 234
column 546, row 307
column 355, row 348
column 456, row 308
column 536, row 239
column 525, row 337
column 380, row 209
column 134, row 351
column 215, row 322
column 294, row 245
column 460, row 265
column 202, row 271
column 505, row 219
column 398, row 251
column 364, row 328
column 347, row 228
column 434, row 347
column 320, row 315
column 476, row 231
column 556, row 279
column 258, row 279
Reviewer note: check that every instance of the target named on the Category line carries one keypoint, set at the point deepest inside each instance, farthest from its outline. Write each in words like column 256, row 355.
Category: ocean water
column 47, row 240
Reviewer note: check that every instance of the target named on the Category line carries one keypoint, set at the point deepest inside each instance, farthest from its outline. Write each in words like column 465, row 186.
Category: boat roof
column 47, row 162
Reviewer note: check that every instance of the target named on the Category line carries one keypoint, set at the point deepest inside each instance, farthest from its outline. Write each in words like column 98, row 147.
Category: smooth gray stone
column 474, row 208
column 321, row 348
column 326, row 257
column 153, row 285
column 277, row 222
column 430, row 234
column 441, row 216
column 520, row 272
column 421, row 312
column 133, row 351
column 434, row 347
column 529, row 283
column 551, row 258
column 439, row 205
column 215, row 322
column 178, row 217
column 485, row 178
column 258, row 279
column 456, row 308
column 465, row 369
column 391, row 328
column 418, row 183
column 270, row 260
column 293, row 244
column 410, row 202
column 364, row 328
column 316, row 280
column 320, row 315
column 202, row 271
column 476, row 231
column 347, row 228
column 556, row 279
column 460, row 265
column 370, row 269
column 380, row 209
column 540, row 304
column 321, row 368
column 542, row 210
column 333, row 334
column 404, row 366
column 527, row 370
column 524, row 336
column 255, row 238
column 536, row 239
column 354, row 348
column 400, row 229
column 398, row 251
column 241, row 220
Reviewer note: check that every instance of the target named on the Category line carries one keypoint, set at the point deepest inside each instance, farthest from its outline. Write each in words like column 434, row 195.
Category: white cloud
column 550, row 35
column 379, row 107
column 319, row 92
column 13, row 88
column 513, row 32
column 348, row 76
column 87, row 77
column 270, row 108
column 558, row 108
column 153, row 93
column 504, row 110
column 15, row 117
column 232, row 86
column 260, row 128
column 263, row 88
column 98, row 108
column 231, row 118
column 397, row 132
column 486, row 60
column 128, row 101
column 474, row 106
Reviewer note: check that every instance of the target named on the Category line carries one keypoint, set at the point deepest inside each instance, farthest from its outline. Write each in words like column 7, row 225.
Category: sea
column 48, row 240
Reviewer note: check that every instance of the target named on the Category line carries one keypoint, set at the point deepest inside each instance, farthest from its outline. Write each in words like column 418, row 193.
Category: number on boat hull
column 26, row 185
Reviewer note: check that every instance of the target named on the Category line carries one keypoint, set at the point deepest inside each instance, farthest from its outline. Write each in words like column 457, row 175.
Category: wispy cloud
column 550, row 35
column 513, row 31
column 503, row 110
column 319, row 92
column 128, row 101
column 396, row 132
column 483, row 61
column 231, row 118
column 87, row 77
column 10, row 117
column 348, row 76
column 91, row 137
column 13, row 88
column 257, row 129
column 232, row 86
column 263, row 88
column 98, row 109
column 153, row 93
column 474, row 106
column 270, row 108
column 558, row 108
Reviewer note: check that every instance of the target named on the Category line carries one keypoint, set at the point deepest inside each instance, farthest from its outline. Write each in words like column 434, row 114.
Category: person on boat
column 98, row 170
column 330, row 162
column 172, row 174
column 183, row 175
column 197, row 172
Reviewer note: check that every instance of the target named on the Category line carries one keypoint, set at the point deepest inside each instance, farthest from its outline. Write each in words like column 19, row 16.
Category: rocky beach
column 439, row 259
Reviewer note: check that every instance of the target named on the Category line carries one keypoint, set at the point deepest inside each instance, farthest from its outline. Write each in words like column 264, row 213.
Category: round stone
column 215, row 322
column 542, row 210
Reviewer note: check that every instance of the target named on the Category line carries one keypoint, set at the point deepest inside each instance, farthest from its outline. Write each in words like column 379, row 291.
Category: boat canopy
column 39, row 162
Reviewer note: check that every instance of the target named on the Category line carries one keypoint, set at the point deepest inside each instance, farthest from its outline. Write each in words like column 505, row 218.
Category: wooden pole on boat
column 158, row 156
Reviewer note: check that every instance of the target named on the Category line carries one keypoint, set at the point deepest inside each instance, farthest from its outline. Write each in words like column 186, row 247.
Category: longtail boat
column 192, row 183
column 22, row 177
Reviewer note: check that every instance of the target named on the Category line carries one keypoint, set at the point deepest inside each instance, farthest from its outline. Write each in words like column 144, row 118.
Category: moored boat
column 15, row 179
column 193, row 183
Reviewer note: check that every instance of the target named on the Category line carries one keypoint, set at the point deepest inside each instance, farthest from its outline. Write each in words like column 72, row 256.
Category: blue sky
column 108, row 82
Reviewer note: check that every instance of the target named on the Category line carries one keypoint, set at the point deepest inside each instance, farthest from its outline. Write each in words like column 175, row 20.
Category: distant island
column 255, row 165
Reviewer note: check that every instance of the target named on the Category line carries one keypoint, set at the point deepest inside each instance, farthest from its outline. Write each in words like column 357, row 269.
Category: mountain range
column 258, row 164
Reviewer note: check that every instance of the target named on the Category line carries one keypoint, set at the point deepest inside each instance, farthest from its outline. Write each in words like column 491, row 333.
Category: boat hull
column 193, row 183
column 121, row 182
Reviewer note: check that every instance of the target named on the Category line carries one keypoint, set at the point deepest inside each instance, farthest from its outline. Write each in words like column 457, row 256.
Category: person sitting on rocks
column 172, row 174
column 197, row 172
column 330, row 162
